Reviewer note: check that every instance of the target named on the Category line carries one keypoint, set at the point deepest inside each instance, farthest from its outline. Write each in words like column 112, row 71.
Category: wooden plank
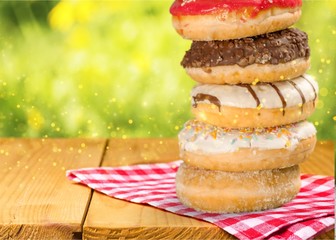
column 321, row 161
column 37, row 201
column 116, row 219
column 136, row 151
column 112, row 218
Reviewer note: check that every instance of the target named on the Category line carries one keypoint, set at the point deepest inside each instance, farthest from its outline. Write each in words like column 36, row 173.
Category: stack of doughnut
column 242, row 151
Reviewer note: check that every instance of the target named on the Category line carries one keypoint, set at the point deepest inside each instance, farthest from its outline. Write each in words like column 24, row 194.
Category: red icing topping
column 201, row 7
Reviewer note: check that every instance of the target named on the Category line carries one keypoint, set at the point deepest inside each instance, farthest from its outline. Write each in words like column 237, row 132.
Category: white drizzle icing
column 237, row 96
column 197, row 136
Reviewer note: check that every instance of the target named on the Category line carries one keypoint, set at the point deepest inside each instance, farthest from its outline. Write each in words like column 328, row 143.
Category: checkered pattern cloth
column 309, row 214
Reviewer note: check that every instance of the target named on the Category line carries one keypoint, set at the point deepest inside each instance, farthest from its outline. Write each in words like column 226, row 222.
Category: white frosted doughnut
column 259, row 105
column 235, row 150
column 233, row 192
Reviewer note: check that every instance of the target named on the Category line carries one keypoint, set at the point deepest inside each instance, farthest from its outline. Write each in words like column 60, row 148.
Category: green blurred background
column 111, row 68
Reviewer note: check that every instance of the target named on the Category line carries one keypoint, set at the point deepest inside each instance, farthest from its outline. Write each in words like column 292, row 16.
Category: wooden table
column 38, row 202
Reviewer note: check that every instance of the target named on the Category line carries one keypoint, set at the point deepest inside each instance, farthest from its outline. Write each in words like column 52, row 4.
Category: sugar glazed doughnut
column 270, row 57
column 259, row 105
column 205, row 20
column 236, row 150
column 233, row 192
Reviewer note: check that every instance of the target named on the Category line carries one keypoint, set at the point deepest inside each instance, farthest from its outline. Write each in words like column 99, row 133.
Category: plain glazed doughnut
column 233, row 192
column 236, row 150
column 206, row 20
column 270, row 57
column 258, row 105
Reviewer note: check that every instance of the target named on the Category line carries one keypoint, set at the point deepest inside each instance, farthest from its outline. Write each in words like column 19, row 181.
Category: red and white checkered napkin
column 310, row 213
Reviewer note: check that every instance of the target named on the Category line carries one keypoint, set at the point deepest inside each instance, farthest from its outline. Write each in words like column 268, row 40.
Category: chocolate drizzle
column 283, row 101
column 252, row 92
column 303, row 99
column 202, row 97
column 315, row 94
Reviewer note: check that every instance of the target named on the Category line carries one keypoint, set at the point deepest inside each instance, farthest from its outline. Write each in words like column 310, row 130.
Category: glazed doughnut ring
column 227, row 192
column 238, row 150
column 203, row 20
column 271, row 57
column 259, row 105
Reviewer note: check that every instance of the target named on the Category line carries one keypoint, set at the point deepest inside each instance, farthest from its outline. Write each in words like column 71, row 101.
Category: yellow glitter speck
column 213, row 106
column 320, row 104
column 288, row 144
column 202, row 116
column 130, row 121
column 214, row 134
column 255, row 81
column 324, row 92
column 334, row 118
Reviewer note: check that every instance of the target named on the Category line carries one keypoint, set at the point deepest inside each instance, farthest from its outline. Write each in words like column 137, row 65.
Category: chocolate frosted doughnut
column 271, row 48
column 260, row 105
column 269, row 57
